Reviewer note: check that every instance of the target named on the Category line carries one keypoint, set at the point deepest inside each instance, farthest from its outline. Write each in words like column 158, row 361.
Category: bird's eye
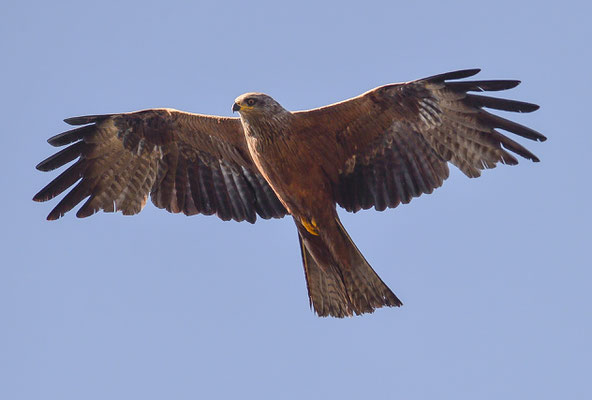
column 250, row 102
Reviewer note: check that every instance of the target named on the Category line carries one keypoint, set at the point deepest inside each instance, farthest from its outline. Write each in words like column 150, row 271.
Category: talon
column 310, row 226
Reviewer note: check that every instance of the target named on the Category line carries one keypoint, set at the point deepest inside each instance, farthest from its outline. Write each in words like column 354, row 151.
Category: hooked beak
column 236, row 107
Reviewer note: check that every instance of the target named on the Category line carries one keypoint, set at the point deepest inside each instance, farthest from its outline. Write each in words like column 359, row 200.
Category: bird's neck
column 266, row 127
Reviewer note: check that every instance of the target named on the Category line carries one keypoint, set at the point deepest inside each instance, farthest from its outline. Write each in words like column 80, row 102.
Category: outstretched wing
column 393, row 143
column 188, row 163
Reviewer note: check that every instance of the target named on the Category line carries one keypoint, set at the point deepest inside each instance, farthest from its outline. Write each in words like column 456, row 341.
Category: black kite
column 378, row 150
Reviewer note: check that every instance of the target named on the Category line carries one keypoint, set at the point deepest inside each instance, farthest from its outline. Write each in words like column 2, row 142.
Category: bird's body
column 379, row 149
column 281, row 149
column 283, row 160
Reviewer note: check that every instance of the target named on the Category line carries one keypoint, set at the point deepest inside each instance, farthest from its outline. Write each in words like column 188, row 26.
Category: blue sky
column 492, row 271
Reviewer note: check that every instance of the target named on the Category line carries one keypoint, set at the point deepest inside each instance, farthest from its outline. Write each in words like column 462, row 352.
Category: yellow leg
column 311, row 226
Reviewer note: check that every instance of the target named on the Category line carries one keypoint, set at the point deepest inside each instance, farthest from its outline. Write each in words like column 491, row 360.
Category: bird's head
column 256, row 104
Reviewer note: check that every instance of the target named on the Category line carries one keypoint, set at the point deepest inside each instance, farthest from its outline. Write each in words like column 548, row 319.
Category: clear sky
column 492, row 271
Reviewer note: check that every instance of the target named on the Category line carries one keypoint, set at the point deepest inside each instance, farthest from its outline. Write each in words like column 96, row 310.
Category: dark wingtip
column 40, row 196
column 62, row 157
column 524, row 107
column 42, row 167
column 532, row 158
column 500, row 104
column 465, row 73
column 512, row 83
column 53, row 216
column 86, row 119
column 460, row 74
column 78, row 120
column 70, row 136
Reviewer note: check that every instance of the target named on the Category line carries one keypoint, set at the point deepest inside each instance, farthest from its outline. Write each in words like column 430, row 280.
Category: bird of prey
column 379, row 149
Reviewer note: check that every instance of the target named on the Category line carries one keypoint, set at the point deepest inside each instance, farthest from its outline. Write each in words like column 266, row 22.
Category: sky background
column 494, row 272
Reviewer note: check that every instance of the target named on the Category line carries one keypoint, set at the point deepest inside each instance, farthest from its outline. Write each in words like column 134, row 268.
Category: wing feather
column 70, row 136
column 81, row 191
column 460, row 74
column 246, row 194
column 198, row 194
column 380, row 192
column 62, row 182
column 224, row 211
column 481, row 86
column 206, row 183
column 390, row 172
column 181, row 184
column 499, row 104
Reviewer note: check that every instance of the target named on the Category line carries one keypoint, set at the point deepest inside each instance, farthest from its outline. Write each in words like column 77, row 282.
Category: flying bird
column 379, row 149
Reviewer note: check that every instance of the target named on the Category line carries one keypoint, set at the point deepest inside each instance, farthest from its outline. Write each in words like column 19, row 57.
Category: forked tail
column 340, row 281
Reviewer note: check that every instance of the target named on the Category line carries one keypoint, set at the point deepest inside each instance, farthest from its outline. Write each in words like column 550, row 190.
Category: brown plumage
column 378, row 150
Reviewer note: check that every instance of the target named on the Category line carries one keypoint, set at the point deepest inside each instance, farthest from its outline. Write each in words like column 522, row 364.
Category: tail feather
column 326, row 291
column 340, row 281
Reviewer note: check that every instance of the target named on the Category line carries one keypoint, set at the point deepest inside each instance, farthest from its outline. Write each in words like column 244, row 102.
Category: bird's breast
column 292, row 174
column 273, row 158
